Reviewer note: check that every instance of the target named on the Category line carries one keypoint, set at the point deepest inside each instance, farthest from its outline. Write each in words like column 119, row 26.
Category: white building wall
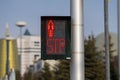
column 30, row 48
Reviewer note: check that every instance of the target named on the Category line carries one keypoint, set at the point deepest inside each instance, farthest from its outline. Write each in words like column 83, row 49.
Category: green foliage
column 28, row 75
column 94, row 67
column 113, row 62
column 47, row 73
column 114, row 69
column 37, row 76
column 62, row 70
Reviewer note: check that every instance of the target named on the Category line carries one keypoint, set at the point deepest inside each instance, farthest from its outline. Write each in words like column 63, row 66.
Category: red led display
column 50, row 28
column 55, row 37
column 55, row 46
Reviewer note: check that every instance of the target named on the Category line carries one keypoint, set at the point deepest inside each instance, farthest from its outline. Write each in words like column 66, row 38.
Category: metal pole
column 107, row 57
column 77, row 39
column 20, row 24
column 119, row 37
column 20, row 48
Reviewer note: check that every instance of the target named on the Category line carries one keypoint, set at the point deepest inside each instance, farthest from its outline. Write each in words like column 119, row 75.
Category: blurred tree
column 62, row 70
column 113, row 65
column 94, row 67
column 46, row 73
column 38, row 76
column 28, row 75
column 113, row 62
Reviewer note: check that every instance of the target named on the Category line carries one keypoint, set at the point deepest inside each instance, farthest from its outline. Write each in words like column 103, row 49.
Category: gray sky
column 30, row 11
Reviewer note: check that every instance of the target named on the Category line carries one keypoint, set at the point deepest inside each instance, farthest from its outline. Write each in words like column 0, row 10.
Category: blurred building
column 31, row 47
column 36, row 67
column 8, row 54
column 30, row 57
column 100, row 42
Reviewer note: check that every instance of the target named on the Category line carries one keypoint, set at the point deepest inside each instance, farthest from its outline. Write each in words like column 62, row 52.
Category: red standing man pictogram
column 50, row 28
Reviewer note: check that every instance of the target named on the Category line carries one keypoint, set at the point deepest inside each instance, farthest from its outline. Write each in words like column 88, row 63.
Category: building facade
column 8, row 56
column 30, row 48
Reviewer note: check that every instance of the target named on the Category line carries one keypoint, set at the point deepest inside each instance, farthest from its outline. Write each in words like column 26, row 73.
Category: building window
column 36, row 43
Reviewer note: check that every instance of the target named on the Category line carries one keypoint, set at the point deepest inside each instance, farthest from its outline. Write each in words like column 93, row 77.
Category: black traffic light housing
column 55, row 37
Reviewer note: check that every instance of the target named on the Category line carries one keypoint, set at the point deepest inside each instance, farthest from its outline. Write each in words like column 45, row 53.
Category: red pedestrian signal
column 50, row 28
column 55, row 37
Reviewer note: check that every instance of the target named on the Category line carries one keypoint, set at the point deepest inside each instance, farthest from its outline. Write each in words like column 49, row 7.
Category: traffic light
column 55, row 37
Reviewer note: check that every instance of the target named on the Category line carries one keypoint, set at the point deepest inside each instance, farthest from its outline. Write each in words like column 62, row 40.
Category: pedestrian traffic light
column 55, row 37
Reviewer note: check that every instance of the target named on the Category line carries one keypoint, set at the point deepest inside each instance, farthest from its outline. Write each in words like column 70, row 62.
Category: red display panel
column 55, row 37
column 56, row 46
